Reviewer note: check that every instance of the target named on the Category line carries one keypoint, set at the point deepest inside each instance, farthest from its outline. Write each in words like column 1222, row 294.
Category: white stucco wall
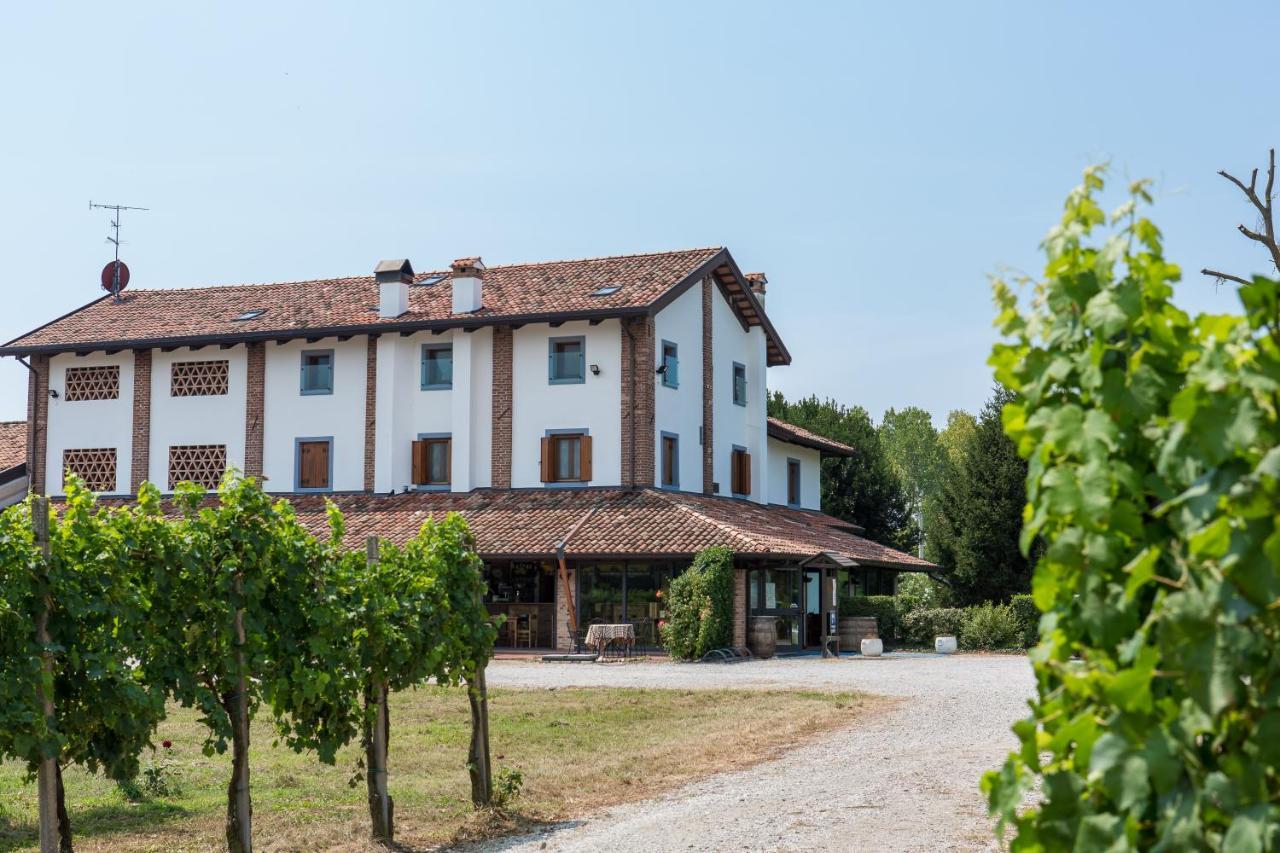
column 289, row 415
column 405, row 410
column 679, row 410
column 734, row 424
column 89, row 423
column 196, row 420
column 538, row 406
column 810, row 472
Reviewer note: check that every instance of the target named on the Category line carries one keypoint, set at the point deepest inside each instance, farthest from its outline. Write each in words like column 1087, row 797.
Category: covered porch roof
column 610, row 523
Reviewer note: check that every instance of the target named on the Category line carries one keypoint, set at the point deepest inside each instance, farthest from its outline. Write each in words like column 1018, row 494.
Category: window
column 317, row 372
column 202, row 464
column 740, row 472
column 670, row 365
column 793, row 482
column 96, row 466
column 251, row 314
column 92, row 383
column 607, row 290
column 566, row 457
column 670, row 460
column 199, row 378
column 432, row 460
column 437, row 367
column 314, row 464
column 568, row 361
column 739, row 384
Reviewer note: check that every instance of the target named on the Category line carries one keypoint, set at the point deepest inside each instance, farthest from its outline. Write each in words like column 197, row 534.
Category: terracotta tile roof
column 618, row 523
column 784, row 431
column 13, row 444
column 542, row 290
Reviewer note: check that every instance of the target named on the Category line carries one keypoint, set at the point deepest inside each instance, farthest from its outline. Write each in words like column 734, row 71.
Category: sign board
column 832, row 623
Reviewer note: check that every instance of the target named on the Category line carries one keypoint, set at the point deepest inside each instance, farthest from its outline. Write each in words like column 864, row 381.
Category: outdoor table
column 599, row 636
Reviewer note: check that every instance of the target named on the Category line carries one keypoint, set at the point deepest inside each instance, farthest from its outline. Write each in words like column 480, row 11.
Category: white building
column 603, row 378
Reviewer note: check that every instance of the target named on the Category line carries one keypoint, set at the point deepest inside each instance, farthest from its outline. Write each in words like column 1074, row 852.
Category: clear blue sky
column 877, row 161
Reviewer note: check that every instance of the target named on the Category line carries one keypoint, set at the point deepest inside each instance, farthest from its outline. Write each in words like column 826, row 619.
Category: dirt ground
column 904, row 778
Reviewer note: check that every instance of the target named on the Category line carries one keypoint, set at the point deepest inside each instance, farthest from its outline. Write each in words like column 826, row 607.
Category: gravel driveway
column 906, row 779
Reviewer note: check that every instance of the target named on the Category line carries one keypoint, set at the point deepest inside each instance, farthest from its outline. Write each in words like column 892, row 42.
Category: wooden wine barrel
column 855, row 629
column 762, row 636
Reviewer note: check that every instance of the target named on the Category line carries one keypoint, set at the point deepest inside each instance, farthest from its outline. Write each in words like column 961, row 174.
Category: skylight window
column 435, row 279
column 607, row 290
column 249, row 315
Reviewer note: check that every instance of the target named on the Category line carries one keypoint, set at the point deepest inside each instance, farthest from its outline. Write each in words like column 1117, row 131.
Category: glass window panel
column 566, row 360
column 317, row 371
column 438, row 462
column 600, row 593
column 437, row 367
column 670, row 361
column 647, row 587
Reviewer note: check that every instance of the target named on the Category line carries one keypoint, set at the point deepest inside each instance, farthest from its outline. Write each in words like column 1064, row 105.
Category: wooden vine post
column 381, row 808
column 481, row 777
column 47, row 772
column 239, row 806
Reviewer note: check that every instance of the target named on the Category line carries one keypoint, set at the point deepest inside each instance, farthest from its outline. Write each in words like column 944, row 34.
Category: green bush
column 990, row 626
column 883, row 607
column 918, row 591
column 700, row 606
column 1029, row 617
column 920, row 626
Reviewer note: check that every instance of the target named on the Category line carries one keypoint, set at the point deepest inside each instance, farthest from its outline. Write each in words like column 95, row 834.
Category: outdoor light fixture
column 595, row 370
column 661, row 370
column 53, row 392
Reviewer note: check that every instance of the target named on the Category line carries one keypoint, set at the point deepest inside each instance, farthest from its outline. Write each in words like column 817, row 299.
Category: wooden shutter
column 585, row 461
column 548, row 460
column 745, row 477
column 313, row 465
column 419, row 463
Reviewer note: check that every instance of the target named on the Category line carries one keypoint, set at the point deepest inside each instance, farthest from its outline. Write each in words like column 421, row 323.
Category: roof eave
column 15, row 349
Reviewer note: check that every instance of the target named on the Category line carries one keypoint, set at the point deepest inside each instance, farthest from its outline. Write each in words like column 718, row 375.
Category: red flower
column 167, row 744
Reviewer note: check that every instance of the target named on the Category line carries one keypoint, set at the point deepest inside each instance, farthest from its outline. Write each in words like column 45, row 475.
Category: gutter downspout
column 570, row 605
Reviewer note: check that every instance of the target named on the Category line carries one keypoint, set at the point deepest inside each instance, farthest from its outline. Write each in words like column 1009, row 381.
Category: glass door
column 777, row 592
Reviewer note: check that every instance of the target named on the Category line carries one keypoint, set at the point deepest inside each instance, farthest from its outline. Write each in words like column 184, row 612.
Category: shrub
column 1029, row 617
column 700, row 606
column 920, row 626
column 990, row 626
column 883, row 607
column 918, row 591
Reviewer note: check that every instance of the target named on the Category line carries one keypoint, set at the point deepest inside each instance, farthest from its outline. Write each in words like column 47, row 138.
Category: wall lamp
column 53, row 392
column 595, row 370
column 661, row 370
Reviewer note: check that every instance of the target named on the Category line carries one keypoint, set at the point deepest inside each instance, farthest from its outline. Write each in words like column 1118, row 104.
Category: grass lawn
column 577, row 748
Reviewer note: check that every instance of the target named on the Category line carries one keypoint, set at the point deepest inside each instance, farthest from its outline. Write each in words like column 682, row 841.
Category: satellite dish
column 109, row 276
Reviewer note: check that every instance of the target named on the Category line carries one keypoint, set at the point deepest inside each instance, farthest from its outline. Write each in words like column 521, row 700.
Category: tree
column 248, row 614
column 1154, row 478
column 976, row 518
column 89, row 594
column 862, row 490
column 911, row 445
column 417, row 616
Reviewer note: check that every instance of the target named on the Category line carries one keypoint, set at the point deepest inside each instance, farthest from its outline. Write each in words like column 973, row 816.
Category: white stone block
column 872, row 648
column 944, row 645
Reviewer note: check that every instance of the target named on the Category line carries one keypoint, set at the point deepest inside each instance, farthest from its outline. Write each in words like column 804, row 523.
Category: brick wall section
column 638, row 383
column 708, row 379
column 370, row 411
column 254, row 396
column 502, row 397
column 140, row 465
column 740, row 606
column 564, row 631
column 37, row 421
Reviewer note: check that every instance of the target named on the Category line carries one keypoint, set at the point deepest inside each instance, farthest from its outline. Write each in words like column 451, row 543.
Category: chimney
column 757, row 281
column 394, row 278
column 468, row 278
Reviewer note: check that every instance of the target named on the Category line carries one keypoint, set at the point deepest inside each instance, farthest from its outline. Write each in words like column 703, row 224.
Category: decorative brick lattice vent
column 95, row 465
column 93, row 383
column 199, row 378
column 203, row 464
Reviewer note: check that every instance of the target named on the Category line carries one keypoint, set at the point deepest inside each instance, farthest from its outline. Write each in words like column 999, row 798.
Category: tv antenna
column 115, row 275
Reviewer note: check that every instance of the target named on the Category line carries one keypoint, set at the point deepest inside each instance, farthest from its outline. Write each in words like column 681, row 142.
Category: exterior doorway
column 778, row 592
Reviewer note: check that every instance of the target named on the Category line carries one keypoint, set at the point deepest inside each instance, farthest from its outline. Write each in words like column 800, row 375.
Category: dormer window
column 568, row 361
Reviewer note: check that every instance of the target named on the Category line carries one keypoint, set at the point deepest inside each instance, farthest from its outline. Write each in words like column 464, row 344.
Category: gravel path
column 901, row 780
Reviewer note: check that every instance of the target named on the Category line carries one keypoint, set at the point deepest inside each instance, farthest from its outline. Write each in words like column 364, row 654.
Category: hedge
column 1029, row 617
column 700, row 606
column 919, row 627
column 884, row 607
